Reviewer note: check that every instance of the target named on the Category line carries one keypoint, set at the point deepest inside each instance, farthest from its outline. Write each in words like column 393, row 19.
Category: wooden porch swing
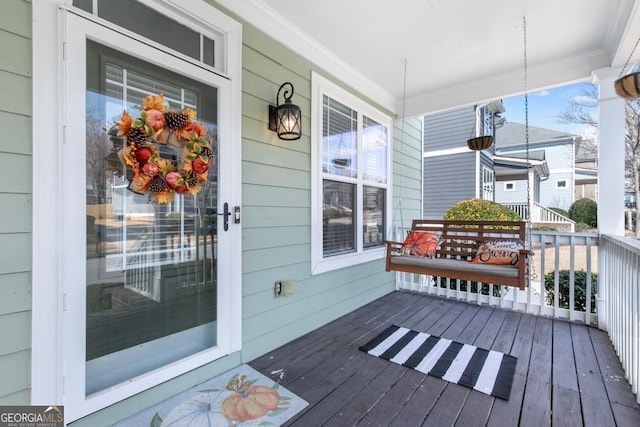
column 491, row 252
column 464, row 250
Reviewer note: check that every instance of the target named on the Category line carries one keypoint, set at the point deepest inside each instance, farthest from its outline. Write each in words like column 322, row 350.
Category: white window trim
column 49, row 302
column 321, row 86
column 513, row 183
column 566, row 184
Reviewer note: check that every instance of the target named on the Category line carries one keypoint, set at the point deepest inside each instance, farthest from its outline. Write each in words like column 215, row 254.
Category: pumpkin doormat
column 239, row 397
column 487, row 371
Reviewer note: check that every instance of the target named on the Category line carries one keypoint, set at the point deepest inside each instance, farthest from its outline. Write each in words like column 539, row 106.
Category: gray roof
column 513, row 134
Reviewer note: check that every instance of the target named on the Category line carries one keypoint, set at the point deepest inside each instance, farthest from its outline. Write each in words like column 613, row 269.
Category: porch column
column 611, row 154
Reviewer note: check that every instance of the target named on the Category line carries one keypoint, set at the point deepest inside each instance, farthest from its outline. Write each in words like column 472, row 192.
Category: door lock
column 226, row 214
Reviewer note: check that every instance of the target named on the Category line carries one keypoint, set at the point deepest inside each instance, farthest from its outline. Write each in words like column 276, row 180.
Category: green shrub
column 480, row 210
column 580, row 280
column 584, row 210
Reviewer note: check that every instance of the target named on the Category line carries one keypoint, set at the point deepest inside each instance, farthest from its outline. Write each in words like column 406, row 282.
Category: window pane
column 339, row 139
column 373, row 216
column 375, row 151
column 137, row 17
column 338, row 217
column 151, row 268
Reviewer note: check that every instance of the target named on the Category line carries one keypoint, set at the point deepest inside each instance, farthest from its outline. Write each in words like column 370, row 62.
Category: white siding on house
column 559, row 155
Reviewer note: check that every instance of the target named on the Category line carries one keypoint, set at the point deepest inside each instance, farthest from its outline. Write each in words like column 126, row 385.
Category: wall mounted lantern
column 285, row 119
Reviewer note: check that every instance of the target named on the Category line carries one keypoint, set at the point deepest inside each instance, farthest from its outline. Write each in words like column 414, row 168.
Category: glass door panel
column 151, row 269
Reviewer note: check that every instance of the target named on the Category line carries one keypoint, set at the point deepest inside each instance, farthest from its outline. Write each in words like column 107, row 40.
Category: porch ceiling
column 458, row 52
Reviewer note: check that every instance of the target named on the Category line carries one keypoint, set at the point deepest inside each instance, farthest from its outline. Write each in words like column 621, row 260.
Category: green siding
column 16, row 130
column 276, row 227
column 277, row 216
column 15, row 201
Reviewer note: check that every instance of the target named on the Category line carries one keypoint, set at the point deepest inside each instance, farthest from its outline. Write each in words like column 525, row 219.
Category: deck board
column 567, row 373
column 565, row 392
column 537, row 396
column 595, row 402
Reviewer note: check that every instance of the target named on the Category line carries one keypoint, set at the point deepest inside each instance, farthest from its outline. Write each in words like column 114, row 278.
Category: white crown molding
column 267, row 20
column 544, row 75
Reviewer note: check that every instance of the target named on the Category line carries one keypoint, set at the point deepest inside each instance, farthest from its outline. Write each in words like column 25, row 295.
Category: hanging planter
column 628, row 86
column 480, row 142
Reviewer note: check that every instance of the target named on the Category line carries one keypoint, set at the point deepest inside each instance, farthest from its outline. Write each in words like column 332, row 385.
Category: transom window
column 201, row 44
column 350, row 206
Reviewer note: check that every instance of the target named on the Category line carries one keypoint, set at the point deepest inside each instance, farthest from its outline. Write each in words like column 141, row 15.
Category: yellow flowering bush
column 480, row 210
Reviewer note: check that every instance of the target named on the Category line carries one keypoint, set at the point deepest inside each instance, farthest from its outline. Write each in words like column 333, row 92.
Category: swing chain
column 529, row 210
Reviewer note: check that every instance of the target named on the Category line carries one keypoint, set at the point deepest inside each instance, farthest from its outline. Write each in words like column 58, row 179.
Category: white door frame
column 58, row 241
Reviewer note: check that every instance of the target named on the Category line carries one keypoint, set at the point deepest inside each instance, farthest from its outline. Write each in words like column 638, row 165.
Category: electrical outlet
column 285, row 288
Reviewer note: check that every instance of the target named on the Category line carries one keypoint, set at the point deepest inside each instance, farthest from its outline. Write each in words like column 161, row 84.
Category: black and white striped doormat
column 487, row 371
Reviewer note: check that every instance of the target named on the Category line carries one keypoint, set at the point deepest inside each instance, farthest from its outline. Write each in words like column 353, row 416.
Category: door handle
column 226, row 214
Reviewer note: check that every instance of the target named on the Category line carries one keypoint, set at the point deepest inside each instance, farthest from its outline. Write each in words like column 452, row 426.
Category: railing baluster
column 620, row 283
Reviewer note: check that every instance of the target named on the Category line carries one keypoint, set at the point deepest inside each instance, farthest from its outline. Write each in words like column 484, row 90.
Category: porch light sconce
column 285, row 119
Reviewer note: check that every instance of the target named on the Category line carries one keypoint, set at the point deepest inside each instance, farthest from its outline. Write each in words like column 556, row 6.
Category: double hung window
column 351, row 190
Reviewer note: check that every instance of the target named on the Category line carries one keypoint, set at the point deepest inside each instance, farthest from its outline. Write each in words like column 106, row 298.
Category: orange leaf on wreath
column 193, row 190
column 195, row 127
column 164, row 165
column 190, row 112
column 164, row 197
column 141, row 181
column 125, row 125
column 154, row 102
column 126, row 158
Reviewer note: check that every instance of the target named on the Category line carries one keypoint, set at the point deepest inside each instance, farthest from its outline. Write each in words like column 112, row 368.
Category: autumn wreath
column 154, row 175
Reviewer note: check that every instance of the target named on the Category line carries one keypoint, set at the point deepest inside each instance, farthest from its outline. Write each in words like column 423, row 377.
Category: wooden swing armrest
column 393, row 246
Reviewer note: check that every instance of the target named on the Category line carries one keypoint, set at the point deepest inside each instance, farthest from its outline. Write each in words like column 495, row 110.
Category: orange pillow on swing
column 421, row 243
column 500, row 252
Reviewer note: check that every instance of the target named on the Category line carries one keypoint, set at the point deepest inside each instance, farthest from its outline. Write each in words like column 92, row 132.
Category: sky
column 545, row 107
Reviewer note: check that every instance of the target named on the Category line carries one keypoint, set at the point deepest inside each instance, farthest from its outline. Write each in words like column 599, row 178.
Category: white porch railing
column 569, row 261
column 619, row 302
column 540, row 214
column 574, row 258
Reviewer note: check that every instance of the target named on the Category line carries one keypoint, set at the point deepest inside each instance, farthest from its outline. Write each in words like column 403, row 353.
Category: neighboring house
column 503, row 173
column 556, row 149
column 452, row 172
column 147, row 301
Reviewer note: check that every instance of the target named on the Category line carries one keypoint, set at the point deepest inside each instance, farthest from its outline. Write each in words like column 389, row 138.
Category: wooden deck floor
column 567, row 373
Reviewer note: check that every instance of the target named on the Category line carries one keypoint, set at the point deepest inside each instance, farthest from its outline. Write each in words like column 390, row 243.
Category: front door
column 147, row 284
